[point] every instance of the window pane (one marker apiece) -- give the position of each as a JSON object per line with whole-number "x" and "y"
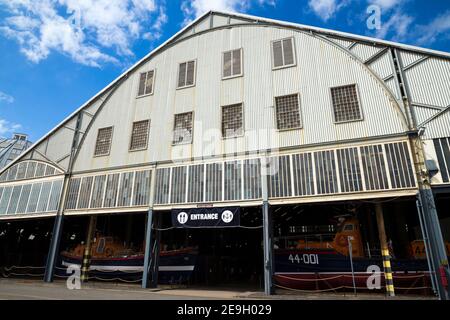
{"x": 126, "y": 187}
{"x": 277, "y": 54}
{"x": 190, "y": 73}
{"x": 142, "y": 188}
{"x": 72, "y": 194}
{"x": 103, "y": 144}
{"x": 237, "y": 62}
{"x": 279, "y": 178}
{"x": 233, "y": 180}
{"x": 149, "y": 82}
{"x": 182, "y": 75}
{"x": 178, "y": 193}
{"x": 288, "y": 52}
{"x": 97, "y": 192}
{"x": 288, "y": 112}
{"x": 349, "y": 169}
{"x": 142, "y": 84}
{"x": 139, "y": 135}
{"x": 252, "y": 179}
{"x": 162, "y": 186}
{"x": 196, "y": 182}
{"x": 345, "y": 103}
{"x": 326, "y": 178}
{"x": 227, "y": 64}
{"x": 85, "y": 193}
{"x": 23, "y": 201}
{"x": 112, "y": 184}
{"x": 374, "y": 167}
{"x": 214, "y": 182}
{"x": 232, "y": 120}
{"x": 303, "y": 174}
{"x": 182, "y": 132}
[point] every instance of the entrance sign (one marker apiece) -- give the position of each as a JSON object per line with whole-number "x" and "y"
{"x": 206, "y": 218}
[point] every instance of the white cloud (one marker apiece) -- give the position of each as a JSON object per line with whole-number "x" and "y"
{"x": 326, "y": 9}
{"x": 195, "y": 8}
{"x": 397, "y": 27}
{"x": 429, "y": 33}
{"x": 6, "y": 127}
{"x": 386, "y": 4}
{"x": 6, "y": 97}
{"x": 90, "y": 32}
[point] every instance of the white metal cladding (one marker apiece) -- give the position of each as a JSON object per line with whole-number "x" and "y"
{"x": 438, "y": 127}
{"x": 382, "y": 66}
{"x": 442, "y": 147}
{"x": 409, "y": 57}
{"x": 39, "y": 197}
{"x": 311, "y": 78}
{"x": 351, "y": 170}
{"x": 429, "y": 82}
{"x": 364, "y": 51}
{"x": 109, "y": 190}
{"x": 29, "y": 170}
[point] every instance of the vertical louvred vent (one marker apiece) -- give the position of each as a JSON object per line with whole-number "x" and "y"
{"x": 283, "y": 53}
{"x": 103, "y": 144}
{"x": 232, "y": 63}
{"x": 186, "y": 74}
{"x": 139, "y": 135}
{"x": 146, "y": 83}
{"x": 182, "y": 131}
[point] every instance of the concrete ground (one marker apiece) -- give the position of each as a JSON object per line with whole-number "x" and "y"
{"x": 21, "y": 289}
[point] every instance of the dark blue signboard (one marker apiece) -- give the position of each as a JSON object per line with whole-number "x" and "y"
{"x": 206, "y": 218}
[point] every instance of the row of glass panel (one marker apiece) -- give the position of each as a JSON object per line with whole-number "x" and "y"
{"x": 28, "y": 170}
{"x": 39, "y": 197}
{"x": 112, "y": 190}
{"x": 357, "y": 169}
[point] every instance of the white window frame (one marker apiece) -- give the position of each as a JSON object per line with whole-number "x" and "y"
{"x": 294, "y": 52}
{"x": 358, "y": 96}
{"x": 110, "y": 145}
{"x": 148, "y": 136}
{"x": 195, "y": 74}
{"x": 192, "y": 131}
{"x": 243, "y": 122}
{"x": 299, "y": 112}
{"x": 145, "y": 85}
{"x": 242, "y": 64}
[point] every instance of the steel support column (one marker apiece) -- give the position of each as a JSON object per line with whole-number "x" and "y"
{"x": 54, "y": 248}
{"x": 154, "y": 266}
{"x": 267, "y": 234}
{"x": 149, "y": 252}
{"x": 432, "y": 228}
{"x": 385, "y": 251}
{"x": 56, "y": 234}
{"x": 86, "y": 262}
{"x": 148, "y": 248}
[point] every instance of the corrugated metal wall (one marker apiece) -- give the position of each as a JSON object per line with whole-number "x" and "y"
{"x": 320, "y": 66}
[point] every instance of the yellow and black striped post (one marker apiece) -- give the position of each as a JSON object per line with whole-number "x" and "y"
{"x": 385, "y": 251}
{"x": 87, "y": 249}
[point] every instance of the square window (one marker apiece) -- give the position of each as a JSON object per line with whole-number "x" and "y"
{"x": 103, "y": 143}
{"x": 182, "y": 131}
{"x": 232, "y": 63}
{"x": 186, "y": 74}
{"x": 345, "y": 103}
{"x": 288, "y": 112}
{"x": 283, "y": 53}
{"x": 139, "y": 135}
{"x": 232, "y": 121}
{"x": 146, "y": 83}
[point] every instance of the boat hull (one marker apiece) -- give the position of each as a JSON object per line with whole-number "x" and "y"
{"x": 328, "y": 270}
{"x": 174, "y": 267}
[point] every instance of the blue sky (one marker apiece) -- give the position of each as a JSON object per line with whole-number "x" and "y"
{"x": 56, "y": 54}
